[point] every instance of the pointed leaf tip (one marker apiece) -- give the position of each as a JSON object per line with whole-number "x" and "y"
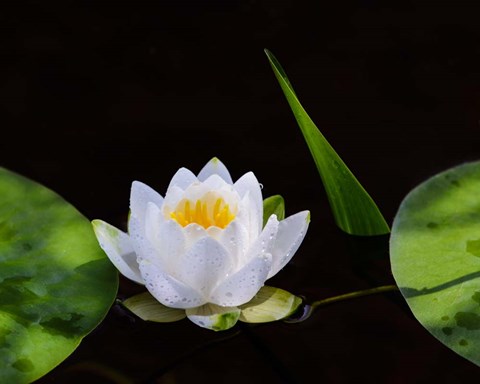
{"x": 353, "y": 209}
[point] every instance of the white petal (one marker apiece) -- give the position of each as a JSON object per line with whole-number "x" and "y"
{"x": 240, "y": 287}
{"x": 235, "y": 240}
{"x": 204, "y": 265}
{"x": 166, "y": 237}
{"x": 215, "y": 167}
{"x": 118, "y": 247}
{"x": 263, "y": 244}
{"x": 136, "y": 231}
{"x": 172, "y": 198}
{"x": 196, "y": 191}
{"x": 250, "y": 217}
{"x": 140, "y": 195}
{"x": 182, "y": 179}
{"x": 291, "y": 232}
{"x": 153, "y": 221}
{"x": 215, "y": 182}
{"x": 194, "y": 232}
{"x": 168, "y": 290}
{"x": 248, "y": 185}
{"x": 143, "y": 247}
{"x": 214, "y": 232}
{"x": 214, "y": 317}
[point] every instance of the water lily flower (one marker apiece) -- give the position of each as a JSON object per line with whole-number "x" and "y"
{"x": 203, "y": 251}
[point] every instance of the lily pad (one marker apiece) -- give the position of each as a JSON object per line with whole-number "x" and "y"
{"x": 435, "y": 257}
{"x": 56, "y": 284}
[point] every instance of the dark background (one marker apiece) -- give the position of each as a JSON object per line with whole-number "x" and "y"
{"x": 93, "y": 96}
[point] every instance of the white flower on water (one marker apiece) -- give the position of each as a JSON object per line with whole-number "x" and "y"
{"x": 202, "y": 250}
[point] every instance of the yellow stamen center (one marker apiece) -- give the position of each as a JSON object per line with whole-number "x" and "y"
{"x": 205, "y": 212}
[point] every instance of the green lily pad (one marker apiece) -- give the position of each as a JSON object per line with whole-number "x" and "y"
{"x": 56, "y": 284}
{"x": 354, "y": 210}
{"x": 435, "y": 257}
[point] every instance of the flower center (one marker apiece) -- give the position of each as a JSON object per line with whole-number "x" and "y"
{"x": 206, "y": 212}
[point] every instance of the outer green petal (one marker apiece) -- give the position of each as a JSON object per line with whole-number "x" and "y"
{"x": 214, "y": 317}
{"x": 273, "y": 205}
{"x": 269, "y": 304}
{"x": 145, "y": 306}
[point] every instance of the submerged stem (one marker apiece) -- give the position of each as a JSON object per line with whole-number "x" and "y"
{"x": 309, "y": 308}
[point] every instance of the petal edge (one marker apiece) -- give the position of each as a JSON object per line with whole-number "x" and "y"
{"x": 118, "y": 247}
{"x": 290, "y": 235}
{"x": 215, "y": 167}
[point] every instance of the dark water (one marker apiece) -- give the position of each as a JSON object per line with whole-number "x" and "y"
{"x": 94, "y": 97}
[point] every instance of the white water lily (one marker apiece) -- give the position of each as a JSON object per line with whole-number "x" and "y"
{"x": 202, "y": 249}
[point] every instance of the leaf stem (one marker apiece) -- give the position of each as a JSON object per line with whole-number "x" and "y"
{"x": 353, "y": 295}
{"x": 309, "y": 308}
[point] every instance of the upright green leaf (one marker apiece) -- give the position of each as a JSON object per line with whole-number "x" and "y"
{"x": 56, "y": 284}
{"x": 353, "y": 209}
{"x": 435, "y": 257}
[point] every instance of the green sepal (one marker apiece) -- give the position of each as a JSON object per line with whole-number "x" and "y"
{"x": 273, "y": 205}
{"x": 269, "y": 304}
{"x": 146, "y": 307}
{"x": 214, "y": 317}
